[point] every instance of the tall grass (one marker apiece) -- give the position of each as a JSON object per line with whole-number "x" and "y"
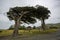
{"x": 26, "y": 32}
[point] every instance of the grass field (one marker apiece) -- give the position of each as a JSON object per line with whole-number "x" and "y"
{"x": 26, "y": 32}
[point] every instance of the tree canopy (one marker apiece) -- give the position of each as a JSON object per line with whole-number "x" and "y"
{"x": 16, "y": 12}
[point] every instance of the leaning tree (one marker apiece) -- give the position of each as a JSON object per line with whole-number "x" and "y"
{"x": 20, "y": 14}
{"x": 42, "y": 13}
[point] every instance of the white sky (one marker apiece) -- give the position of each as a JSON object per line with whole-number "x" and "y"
{"x": 53, "y": 6}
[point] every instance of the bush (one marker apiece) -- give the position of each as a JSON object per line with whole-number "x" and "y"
{"x": 22, "y": 28}
{"x": 29, "y": 28}
{"x": 34, "y": 27}
{"x": 53, "y": 27}
{"x": 11, "y": 27}
{"x": 0, "y": 31}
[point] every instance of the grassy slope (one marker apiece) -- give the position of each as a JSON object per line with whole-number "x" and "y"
{"x": 26, "y": 32}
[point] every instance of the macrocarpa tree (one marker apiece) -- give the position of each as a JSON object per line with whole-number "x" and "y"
{"x": 19, "y": 15}
{"x": 42, "y": 13}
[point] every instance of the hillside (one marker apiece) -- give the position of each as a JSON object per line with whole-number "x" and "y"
{"x": 53, "y": 25}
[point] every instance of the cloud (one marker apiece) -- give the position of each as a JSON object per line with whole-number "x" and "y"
{"x": 4, "y": 22}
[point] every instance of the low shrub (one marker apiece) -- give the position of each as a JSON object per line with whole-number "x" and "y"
{"x": 53, "y": 27}
{"x": 0, "y": 31}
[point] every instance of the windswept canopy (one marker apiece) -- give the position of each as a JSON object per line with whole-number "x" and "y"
{"x": 16, "y": 12}
{"x": 42, "y": 12}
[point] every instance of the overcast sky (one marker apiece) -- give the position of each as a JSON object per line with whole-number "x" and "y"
{"x": 53, "y": 6}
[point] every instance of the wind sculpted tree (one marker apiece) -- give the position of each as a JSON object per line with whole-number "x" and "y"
{"x": 42, "y": 13}
{"x": 20, "y": 14}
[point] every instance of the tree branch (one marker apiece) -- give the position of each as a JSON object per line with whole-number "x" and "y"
{"x": 23, "y": 14}
{"x": 12, "y": 16}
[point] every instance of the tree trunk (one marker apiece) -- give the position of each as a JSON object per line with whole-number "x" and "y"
{"x": 17, "y": 24}
{"x": 43, "y": 24}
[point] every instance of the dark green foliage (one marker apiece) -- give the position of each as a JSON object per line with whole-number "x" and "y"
{"x": 11, "y": 27}
{"x": 39, "y": 12}
{"x": 53, "y": 27}
{"x": 16, "y": 12}
{"x": 29, "y": 28}
{"x": 34, "y": 27}
{"x": 22, "y": 28}
{"x": 0, "y": 31}
{"x": 42, "y": 12}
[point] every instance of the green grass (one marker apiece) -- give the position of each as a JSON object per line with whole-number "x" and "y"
{"x": 6, "y": 32}
{"x": 26, "y": 32}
